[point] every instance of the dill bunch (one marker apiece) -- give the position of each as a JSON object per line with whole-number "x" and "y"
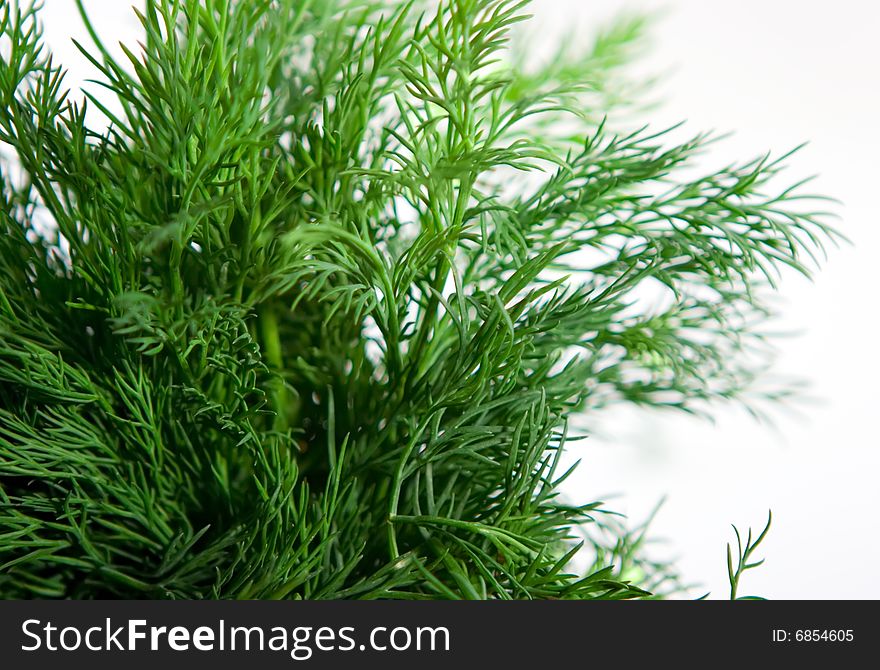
{"x": 309, "y": 317}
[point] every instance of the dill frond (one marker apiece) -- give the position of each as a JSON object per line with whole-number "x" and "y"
{"x": 310, "y": 317}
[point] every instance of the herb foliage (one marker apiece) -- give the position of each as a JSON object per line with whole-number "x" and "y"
{"x": 310, "y": 316}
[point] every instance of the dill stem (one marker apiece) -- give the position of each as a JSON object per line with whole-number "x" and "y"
{"x": 271, "y": 338}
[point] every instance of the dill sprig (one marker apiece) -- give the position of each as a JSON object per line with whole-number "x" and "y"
{"x": 310, "y": 316}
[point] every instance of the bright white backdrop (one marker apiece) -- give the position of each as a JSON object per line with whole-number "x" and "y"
{"x": 777, "y": 73}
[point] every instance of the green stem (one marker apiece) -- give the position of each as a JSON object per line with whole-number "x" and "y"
{"x": 272, "y": 349}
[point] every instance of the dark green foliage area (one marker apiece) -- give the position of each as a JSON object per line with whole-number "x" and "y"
{"x": 309, "y": 317}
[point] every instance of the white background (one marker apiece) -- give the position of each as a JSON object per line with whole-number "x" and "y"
{"x": 778, "y": 72}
